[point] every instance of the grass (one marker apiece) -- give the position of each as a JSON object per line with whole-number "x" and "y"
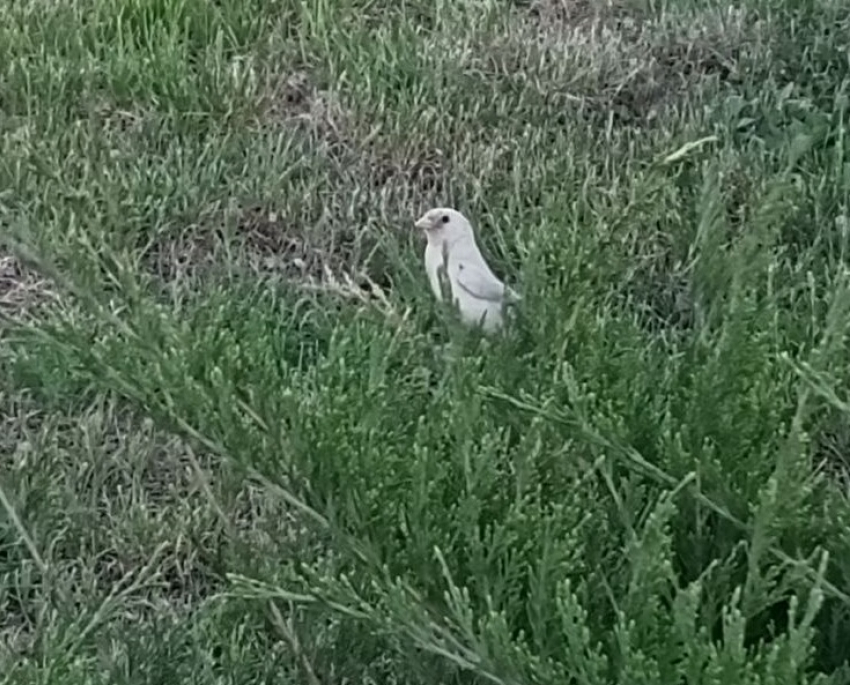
{"x": 240, "y": 443}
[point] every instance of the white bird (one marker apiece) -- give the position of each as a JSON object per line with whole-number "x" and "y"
{"x": 454, "y": 262}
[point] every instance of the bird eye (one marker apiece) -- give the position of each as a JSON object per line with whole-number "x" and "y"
{"x": 445, "y": 218}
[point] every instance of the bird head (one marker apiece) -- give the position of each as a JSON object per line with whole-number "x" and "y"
{"x": 444, "y": 225}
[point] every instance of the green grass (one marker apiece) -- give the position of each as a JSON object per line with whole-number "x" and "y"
{"x": 240, "y": 443}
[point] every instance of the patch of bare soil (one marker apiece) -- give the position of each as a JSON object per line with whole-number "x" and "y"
{"x": 117, "y": 121}
{"x": 339, "y": 262}
{"x": 669, "y": 71}
{"x": 575, "y": 13}
{"x": 273, "y": 244}
{"x": 342, "y": 262}
{"x": 296, "y": 101}
{"x": 22, "y": 290}
{"x": 637, "y": 66}
{"x": 423, "y": 172}
{"x": 173, "y": 258}
{"x": 832, "y": 452}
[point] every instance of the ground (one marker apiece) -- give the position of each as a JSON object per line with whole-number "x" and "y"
{"x": 241, "y": 443}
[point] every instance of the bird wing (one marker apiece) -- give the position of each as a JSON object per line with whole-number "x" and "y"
{"x": 480, "y": 282}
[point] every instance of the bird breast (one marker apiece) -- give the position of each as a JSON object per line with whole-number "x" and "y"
{"x": 473, "y": 311}
{"x": 433, "y": 263}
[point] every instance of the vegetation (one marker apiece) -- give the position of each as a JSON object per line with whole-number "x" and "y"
{"x": 240, "y": 442}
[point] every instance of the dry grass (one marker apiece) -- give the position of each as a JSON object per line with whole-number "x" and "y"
{"x": 22, "y": 290}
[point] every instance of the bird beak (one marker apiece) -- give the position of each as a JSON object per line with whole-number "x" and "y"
{"x": 424, "y": 223}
